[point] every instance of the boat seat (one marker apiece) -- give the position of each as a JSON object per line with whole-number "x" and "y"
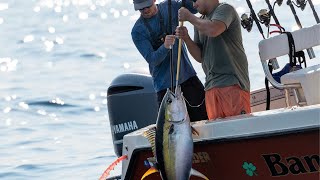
{"x": 309, "y": 78}
{"x": 305, "y": 83}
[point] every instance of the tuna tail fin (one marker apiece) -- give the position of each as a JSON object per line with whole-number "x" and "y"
{"x": 150, "y": 171}
{"x": 150, "y": 134}
{"x": 194, "y": 172}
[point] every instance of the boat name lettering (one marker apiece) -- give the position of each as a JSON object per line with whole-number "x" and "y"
{"x": 293, "y": 165}
{"x": 124, "y": 127}
{"x": 200, "y": 157}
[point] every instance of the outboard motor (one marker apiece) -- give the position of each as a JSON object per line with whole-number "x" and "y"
{"x": 132, "y": 104}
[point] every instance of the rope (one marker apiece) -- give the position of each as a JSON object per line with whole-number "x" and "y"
{"x": 194, "y": 106}
{"x": 106, "y": 173}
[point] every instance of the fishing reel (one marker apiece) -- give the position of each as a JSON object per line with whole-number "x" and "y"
{"x": 246, "y": 22}
{"x": 264, "y": 17}
{"x": 279, "y": 2}
{"x": 301, "y": 4}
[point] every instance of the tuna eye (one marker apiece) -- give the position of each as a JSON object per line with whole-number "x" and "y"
{"x": 169, "y": 101}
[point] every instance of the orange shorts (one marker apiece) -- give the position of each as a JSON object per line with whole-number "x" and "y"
{"x": 227, "y": 101}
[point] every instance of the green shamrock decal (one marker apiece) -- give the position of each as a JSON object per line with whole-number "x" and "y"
{"x": 250, "y": 169}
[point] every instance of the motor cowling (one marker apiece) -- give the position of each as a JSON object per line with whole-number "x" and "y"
{"x": 132, "y": 104}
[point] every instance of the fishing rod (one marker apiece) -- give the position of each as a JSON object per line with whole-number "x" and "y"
{"x": 183, "y": 4}
{"x": 271, "y": 11}
{"x": 265, "y": 18}
{"x": 289, "y": 3}
{"x": 302, "y": 4}
{"x": 310, "y": 51}
{"x": 314, "y": 11}
{"x": 171, "y": 51}
{"x": 247, "y": 22}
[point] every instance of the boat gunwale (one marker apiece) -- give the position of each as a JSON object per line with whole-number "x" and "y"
{"x": 223, "y": 140}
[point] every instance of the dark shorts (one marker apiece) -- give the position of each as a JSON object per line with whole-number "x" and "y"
{"x": 193, "y": 91}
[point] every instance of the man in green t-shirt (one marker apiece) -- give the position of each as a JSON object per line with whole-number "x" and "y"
{"x": 217, "y": 45}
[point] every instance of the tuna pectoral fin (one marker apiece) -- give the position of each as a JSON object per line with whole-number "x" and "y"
{"x": 197, "y": 173}
{"x": 194, "y": 131}
{"x": 150, "y": 171}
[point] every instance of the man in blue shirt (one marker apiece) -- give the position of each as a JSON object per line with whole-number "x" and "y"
{"x": 152, "y": 38}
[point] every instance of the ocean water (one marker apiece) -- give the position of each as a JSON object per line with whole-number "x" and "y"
{"x": 57, "y": 59}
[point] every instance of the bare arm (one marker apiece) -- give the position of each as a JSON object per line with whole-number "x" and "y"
{"x": 193, "y": 48}
{"x": 211, "y": 28}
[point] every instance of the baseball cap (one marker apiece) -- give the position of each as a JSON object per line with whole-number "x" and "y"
{"x": 140, "y": 4}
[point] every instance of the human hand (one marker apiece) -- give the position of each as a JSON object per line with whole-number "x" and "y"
{"x": 184, "y": 14}
{"x": 182, "y": 32}
{"x": 169, "y": 41}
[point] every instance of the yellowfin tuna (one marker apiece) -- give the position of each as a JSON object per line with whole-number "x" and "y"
{"x": 171, "y": 140}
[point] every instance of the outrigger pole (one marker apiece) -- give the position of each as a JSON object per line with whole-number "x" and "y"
{"x": 171, "y": 52}
{"x": 179, "y": 49}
